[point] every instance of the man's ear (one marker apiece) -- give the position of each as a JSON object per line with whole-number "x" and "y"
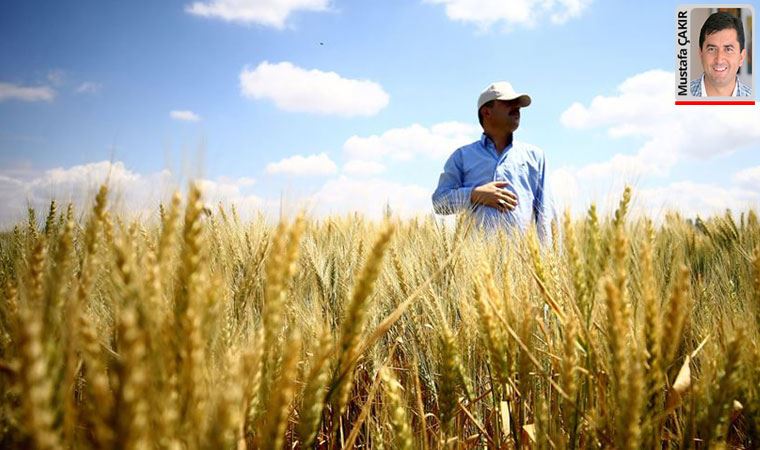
{"x": 742, "y": 56}
{"x": 486, "y": 112}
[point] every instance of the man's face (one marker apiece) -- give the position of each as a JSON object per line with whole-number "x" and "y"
{"x": 505, "y": 115}
{"x": 721, "y": 57}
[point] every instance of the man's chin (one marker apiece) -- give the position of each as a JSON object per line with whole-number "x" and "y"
{"x": 720, "y": 80}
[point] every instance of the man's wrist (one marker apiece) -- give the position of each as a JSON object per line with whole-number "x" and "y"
{"x": 473, "y": 195}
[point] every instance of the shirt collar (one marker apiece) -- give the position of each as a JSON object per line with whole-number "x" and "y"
{"x": 704, "y": 91}
{"x": 485, "y": 141}
{"x": 488, "y": 144}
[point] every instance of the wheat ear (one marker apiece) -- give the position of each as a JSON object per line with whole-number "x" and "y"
{"x": 353, "y": 322}
{"x": 402, "y": 432}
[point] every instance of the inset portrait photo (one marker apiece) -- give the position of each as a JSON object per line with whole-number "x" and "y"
{"x": 714, "y": 54}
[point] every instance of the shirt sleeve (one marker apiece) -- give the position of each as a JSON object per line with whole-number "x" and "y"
{"x": 451, "y": 196}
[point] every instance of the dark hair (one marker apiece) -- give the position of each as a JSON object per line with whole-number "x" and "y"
{"x": 720, "y": 21}
{"x": 488, "y": 105}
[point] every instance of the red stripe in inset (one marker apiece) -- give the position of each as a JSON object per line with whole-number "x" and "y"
{"x": 715, "y": 102}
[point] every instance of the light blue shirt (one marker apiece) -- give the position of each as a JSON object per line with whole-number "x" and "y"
{"x": 521, "y": 165}
{"x": 697, "y": 88}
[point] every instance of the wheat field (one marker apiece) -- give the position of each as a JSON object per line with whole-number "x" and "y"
{"x": 201, "y": 331}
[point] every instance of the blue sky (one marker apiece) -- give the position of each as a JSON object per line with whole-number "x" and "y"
{"x": 345, "y": 105}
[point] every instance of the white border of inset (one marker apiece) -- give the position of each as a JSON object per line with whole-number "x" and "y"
{"x": 683, "y": 57}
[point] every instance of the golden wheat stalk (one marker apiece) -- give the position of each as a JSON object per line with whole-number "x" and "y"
{"x": 353, "y": 322}
{"x": 675, "y": 317}
{"x": 36, "y": 388}
{"x": 314, "y": 393}
{"x": 132, "y": 430}
{"x": 272, "y": 433}
{"x": 402, "y": 432}
{"x": 493, "y": 337}
{"x": 280, "y": 267}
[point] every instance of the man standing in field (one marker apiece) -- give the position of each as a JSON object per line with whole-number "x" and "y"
{"x": 722, "y": 52}
{"x": 500, "y": 180}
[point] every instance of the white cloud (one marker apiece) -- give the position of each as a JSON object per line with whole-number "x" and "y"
{"x": 486, "y": 13}
{"x": 693, "y": 199}
{"x": 644, "y": 108}
{"x": 749, "y": 177}
{"x": 689, "y": 198}
{"x": 402, "y": 144}
{"x": 88, "y": 87}
{"x": 362, "y": 167}
{"x": 9, "y": 91}
{"x": 242, "y": 181}
{"x": 137, "y": 195}
{"x": 370, "y": 197}
{"x": 294, "y": 89}
{"x": 78, "y": 184}
{"x": 569, "y": 9}
{"x": 130, "y": 193}
{"x": 360, "y": 188}
{"x": 642, "y": 101}
{"x": 564, "y": 188}
{"x": 187, "y": 116}
{"x": 272, "y": 13}
{"x": 320, "y": 164}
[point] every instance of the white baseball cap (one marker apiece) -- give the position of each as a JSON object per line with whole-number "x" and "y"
{"x": 502, "y": 90}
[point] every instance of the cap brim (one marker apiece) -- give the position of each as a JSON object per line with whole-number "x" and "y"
{"x": 524, "y": 99}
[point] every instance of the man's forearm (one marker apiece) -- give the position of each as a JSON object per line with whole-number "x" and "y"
{"x": 452, "y": 201}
